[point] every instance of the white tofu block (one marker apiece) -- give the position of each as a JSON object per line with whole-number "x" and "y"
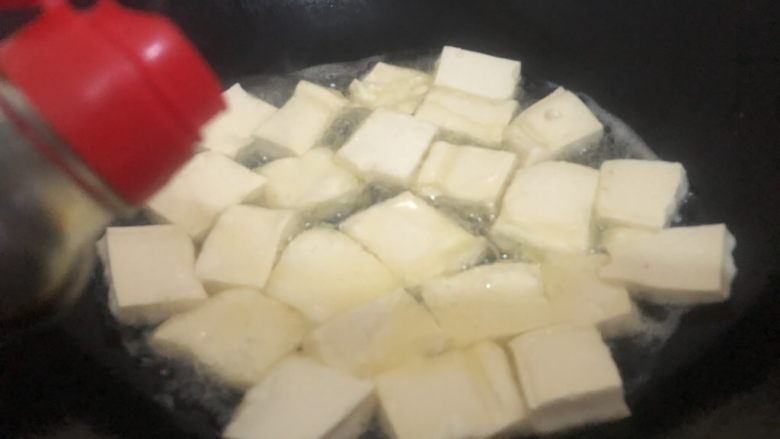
{"x": 323, "y": 272}
{"x": 556, "y": 125}
{"x": 377, "y": 336}
{"x": 236, "y": 335}
{"x": 232, "y": 129}
{"x": 504, "y": 403}
{"x": 300, "y": 399}
{"x": 392, "y": 87}
{"x": 312, "y": 183}
{"x": 413, "y": 239}
{"x": 477, "y": 73}
{"x": 640, "y": 193}
{"x": 480, "y": 119}
{"x": 465, "y": 175}
{"x": 681, "y": 265}
{"x": 150, "y": 271}
{"x": 207, "y": 185}
{"x": 243, "y": 246}
{"x": 578, "y": 295}
{"x": 301, "y": 122}
{"x": 388, "y": 147}
{"x": 488, "y": 302}
{"x": 568, "y": 378}
{"x": 460, "y": 394}
{"x": 433, "y": 399}
{"x": 547, "y": 207}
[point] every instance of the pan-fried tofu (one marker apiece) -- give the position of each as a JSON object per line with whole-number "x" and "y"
{"x": 312, "y": 183}
{"x": 232, "y": 129}
{"x": 377, "y": 336}
{"x": 555, "y": 126}
{"x": 242, "y": 248}
{"x": 207, "y": 185}
{"x": 640, "y": 193}
{"x": 392, "y": 87}
{"x": 465, "y": 175}
{"x": 150, "y": 271}
{"x": 578, "y": 295}
{"x": 506, "y": 407}
{"x": 459, "y": 394}
{"x": 236, "y": 335}
{"x": 568, "y": 377}
{"x": 681, "y": 265}
{"x": 477, "y": 118}
{"x": 477, "y": 73}
{"x": 388, "y": 147}
{"x": 413, "y": 239}
{"x": 303, "y": 399}
{"x": 323, "y": 272}
{"x": 488, "y": 302}
{"x": 547, "y": 207}
{"x": 301, "y": 122}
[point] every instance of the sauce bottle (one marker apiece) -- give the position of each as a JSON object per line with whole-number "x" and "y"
{"x": 98, "y": 108}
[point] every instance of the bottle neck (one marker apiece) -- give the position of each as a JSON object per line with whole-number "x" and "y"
{"x": 37, "y": 134}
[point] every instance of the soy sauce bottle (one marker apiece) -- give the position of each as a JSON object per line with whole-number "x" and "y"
{"x": 98, "y": 108}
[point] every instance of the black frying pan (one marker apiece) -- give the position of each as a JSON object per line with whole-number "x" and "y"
{"x": 697, "y": 81}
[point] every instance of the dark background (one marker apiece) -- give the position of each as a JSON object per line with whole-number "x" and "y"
{"x": 698, "y": 80}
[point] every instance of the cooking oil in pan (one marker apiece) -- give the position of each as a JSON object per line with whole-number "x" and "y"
{"x": 189, "y": 390}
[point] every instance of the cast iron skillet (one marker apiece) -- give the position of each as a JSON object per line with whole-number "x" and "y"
{"x": 688, "y": 79}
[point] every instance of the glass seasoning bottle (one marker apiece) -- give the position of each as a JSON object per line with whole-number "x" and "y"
{"x": 98, "y": 108}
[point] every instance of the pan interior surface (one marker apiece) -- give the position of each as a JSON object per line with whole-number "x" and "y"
{"x": 189, "y": 393}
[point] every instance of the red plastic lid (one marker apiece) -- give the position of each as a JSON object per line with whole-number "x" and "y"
{"x": 123, "y": 88}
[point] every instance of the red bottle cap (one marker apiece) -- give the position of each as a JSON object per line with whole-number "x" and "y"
{"x": 124, "y": 89}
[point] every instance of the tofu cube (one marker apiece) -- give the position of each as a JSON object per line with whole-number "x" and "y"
{"x": 413, "y": 239}
{"x": 547, "y": 208}
{"x": 312, "y": 183}
{"x": 488, "y": 302}
{"x": 150, "y": 271}
{"x": 207, "y": 185}
{"x": 556, "y": 125}
{"x": 477, "y": 73}
{"x": 232, "y": 129}
{"x": 459, "y": 394}
{"x": 578, "y": 295}
{"x": 680, "y": 266}
{"x": 323, "y": 272}
{"x": 388, "y": 147}
{"x": 392, "y": 87}
{"x": 465, "y": 175}
{"x": 376, "y": 336}
{"x": 568, "y": 378}
{"x": 503, "y": 400}
{"x": 301, "y": 398}
{"x": 482, "y": 120}
{"x": 301, "y": 122}
{"x": 640, "y": 193}
{"x": 236, "y": 335}
{"x": 243, "y": 246}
